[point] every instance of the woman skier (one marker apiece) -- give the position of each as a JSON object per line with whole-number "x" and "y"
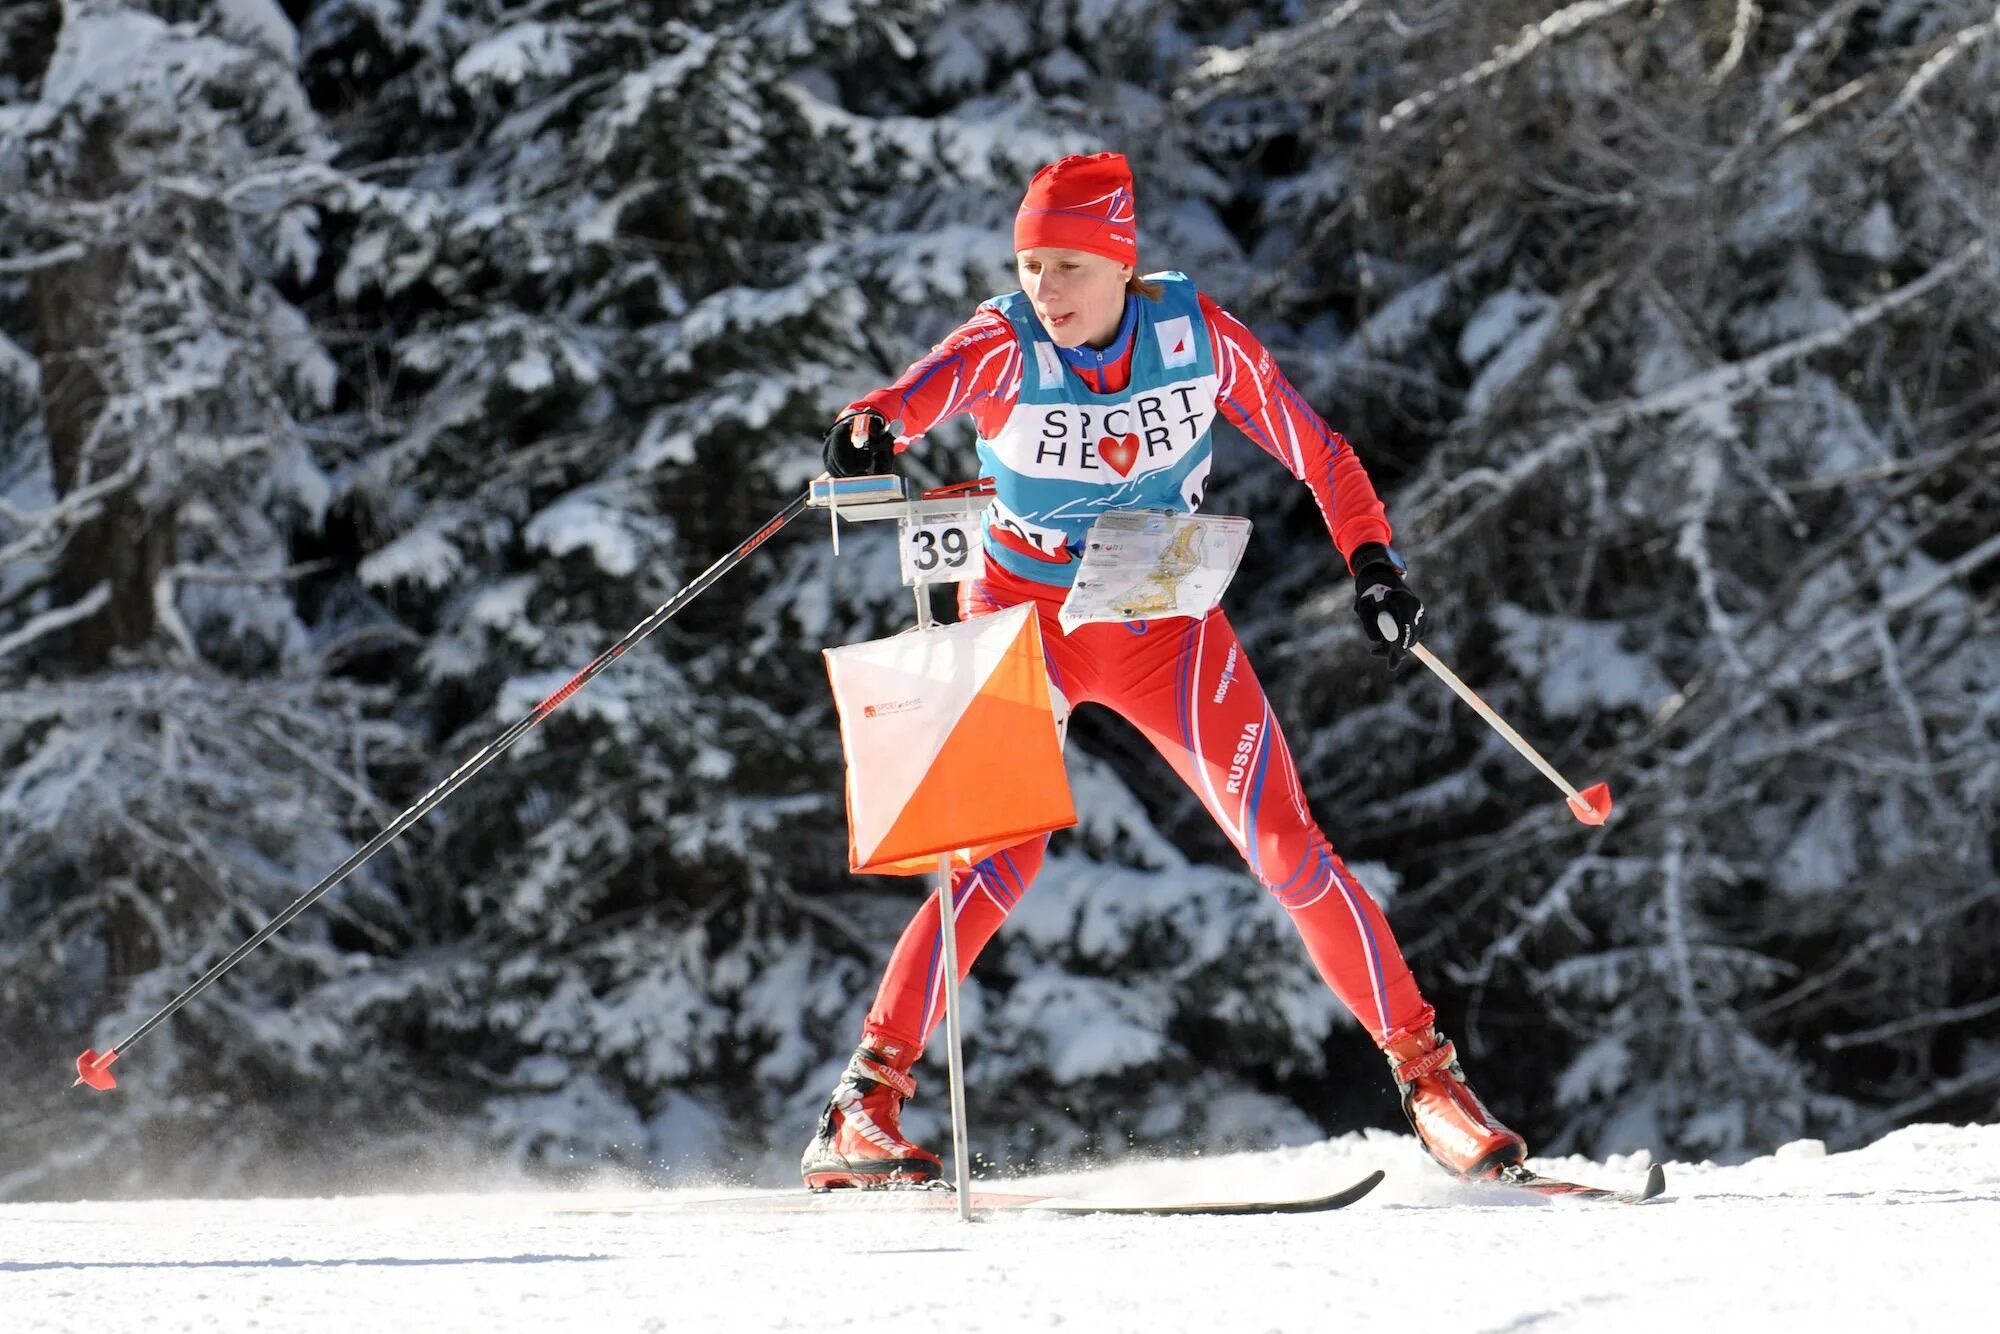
{"x": 1092, "y": 390}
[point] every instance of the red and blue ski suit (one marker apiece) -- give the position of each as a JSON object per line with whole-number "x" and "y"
{"x": 1185, "y": 683}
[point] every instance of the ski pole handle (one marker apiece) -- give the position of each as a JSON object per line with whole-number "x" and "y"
{"x": 1592, "y": 805}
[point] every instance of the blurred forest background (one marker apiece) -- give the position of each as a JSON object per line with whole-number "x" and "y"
{"x": 368, "y": 366}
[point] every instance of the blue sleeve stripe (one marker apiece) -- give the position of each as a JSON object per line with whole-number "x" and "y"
{"x": 936, "y": 366}
{"x": 1332, "y": 439}
{"x": 1248, "y": 422}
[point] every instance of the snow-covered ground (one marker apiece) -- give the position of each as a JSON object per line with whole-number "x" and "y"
{"x": 1898, "y": 1236}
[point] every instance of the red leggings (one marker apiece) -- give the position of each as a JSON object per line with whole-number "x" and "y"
{"x": 1188, "y": 686}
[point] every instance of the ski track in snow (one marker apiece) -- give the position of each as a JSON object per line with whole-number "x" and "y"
{"x": 1896, "y": 1236}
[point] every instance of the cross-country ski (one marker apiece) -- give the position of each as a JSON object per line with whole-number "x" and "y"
{"x": 862, "y": 1203}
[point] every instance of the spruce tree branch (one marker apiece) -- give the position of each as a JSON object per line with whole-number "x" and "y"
{"x": 1916, "y": 1023}
{"x": 1673, "y": 901}
{"x": 1712, "y": 388}
{"x": 1234, "y": 68}
{"x": 1921, "y": 465}
{"x": 1912, "y": 594}
{"x": 1941, "y": 54}
{"x": 167, "y": 615}
{"x": 1786, "y": 659}
{"x": 1898, "y": 687}
{"x": 79, "y": 506}
{"x": 1903, "y": 930}
{"x": 331, "y": 651}
{"x": 1595, "y": 527}
{"x": 1705, "y": 468}
{"x": 48, "y": 935}
{"x": 1747, "y": 14}
{"x": 145, "y": 908}
{"x": 1950, "y": 50}
{"x": 1530, "y": 833}
{"x": 1554, "y": 903}
{"x": 1563, "y": 23}
{"x": 53, "y": 620}
{"x": 1800, "y": 121}
{"x": 207, "y": 574}
{"x": 1767, "y": 486}
{"x": 67, "y": 253}
{"x": 1808, "y": 38}
{"x": 1977, "y": 214}
{"x": 838, "y": 923}
{"x": 312, "y": 760}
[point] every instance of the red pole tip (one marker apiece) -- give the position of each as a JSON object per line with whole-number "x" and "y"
{"x": 1592, "y": 805}
{"x": 95, "y": 1070}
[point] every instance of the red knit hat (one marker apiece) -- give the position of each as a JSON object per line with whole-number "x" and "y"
{"x": 1081, "y": 203}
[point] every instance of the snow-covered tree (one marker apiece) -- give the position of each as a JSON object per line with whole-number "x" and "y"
{"x": 1674, "y": 314}
{"x": 368, "y": 366}
{"x": 177, "y": 754}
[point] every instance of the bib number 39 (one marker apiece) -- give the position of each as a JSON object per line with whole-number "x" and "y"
{"x": 942, "y": 550}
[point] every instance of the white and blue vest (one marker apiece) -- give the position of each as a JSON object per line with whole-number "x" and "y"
{"x": 1067, "y": 454}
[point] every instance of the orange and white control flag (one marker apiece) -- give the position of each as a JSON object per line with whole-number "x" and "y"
{"x": 951, "y": 743}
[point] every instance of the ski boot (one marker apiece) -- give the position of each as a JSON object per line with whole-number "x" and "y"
{"x": 1451, "y": 1123}
{"x": 860, "y": 1140}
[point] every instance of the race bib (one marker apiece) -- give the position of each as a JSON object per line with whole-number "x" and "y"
{"x": 941, "y": 545}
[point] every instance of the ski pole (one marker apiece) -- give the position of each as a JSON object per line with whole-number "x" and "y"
{"x": 94, "y": 1067}
{"x": 1592, "y": 805}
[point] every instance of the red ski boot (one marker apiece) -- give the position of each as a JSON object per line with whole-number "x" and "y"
{"x": 1450, "y": 1121}
{"x": 860, "y": 1140}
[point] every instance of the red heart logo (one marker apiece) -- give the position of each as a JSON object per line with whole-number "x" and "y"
{"x": 1121, "y": 454}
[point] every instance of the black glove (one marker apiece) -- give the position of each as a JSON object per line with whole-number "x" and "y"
{"x": 1379, "y": 591}
{"x": 871, "y": 455}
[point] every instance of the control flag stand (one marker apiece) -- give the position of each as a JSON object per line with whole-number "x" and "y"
{"x": 928, "y": 716}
